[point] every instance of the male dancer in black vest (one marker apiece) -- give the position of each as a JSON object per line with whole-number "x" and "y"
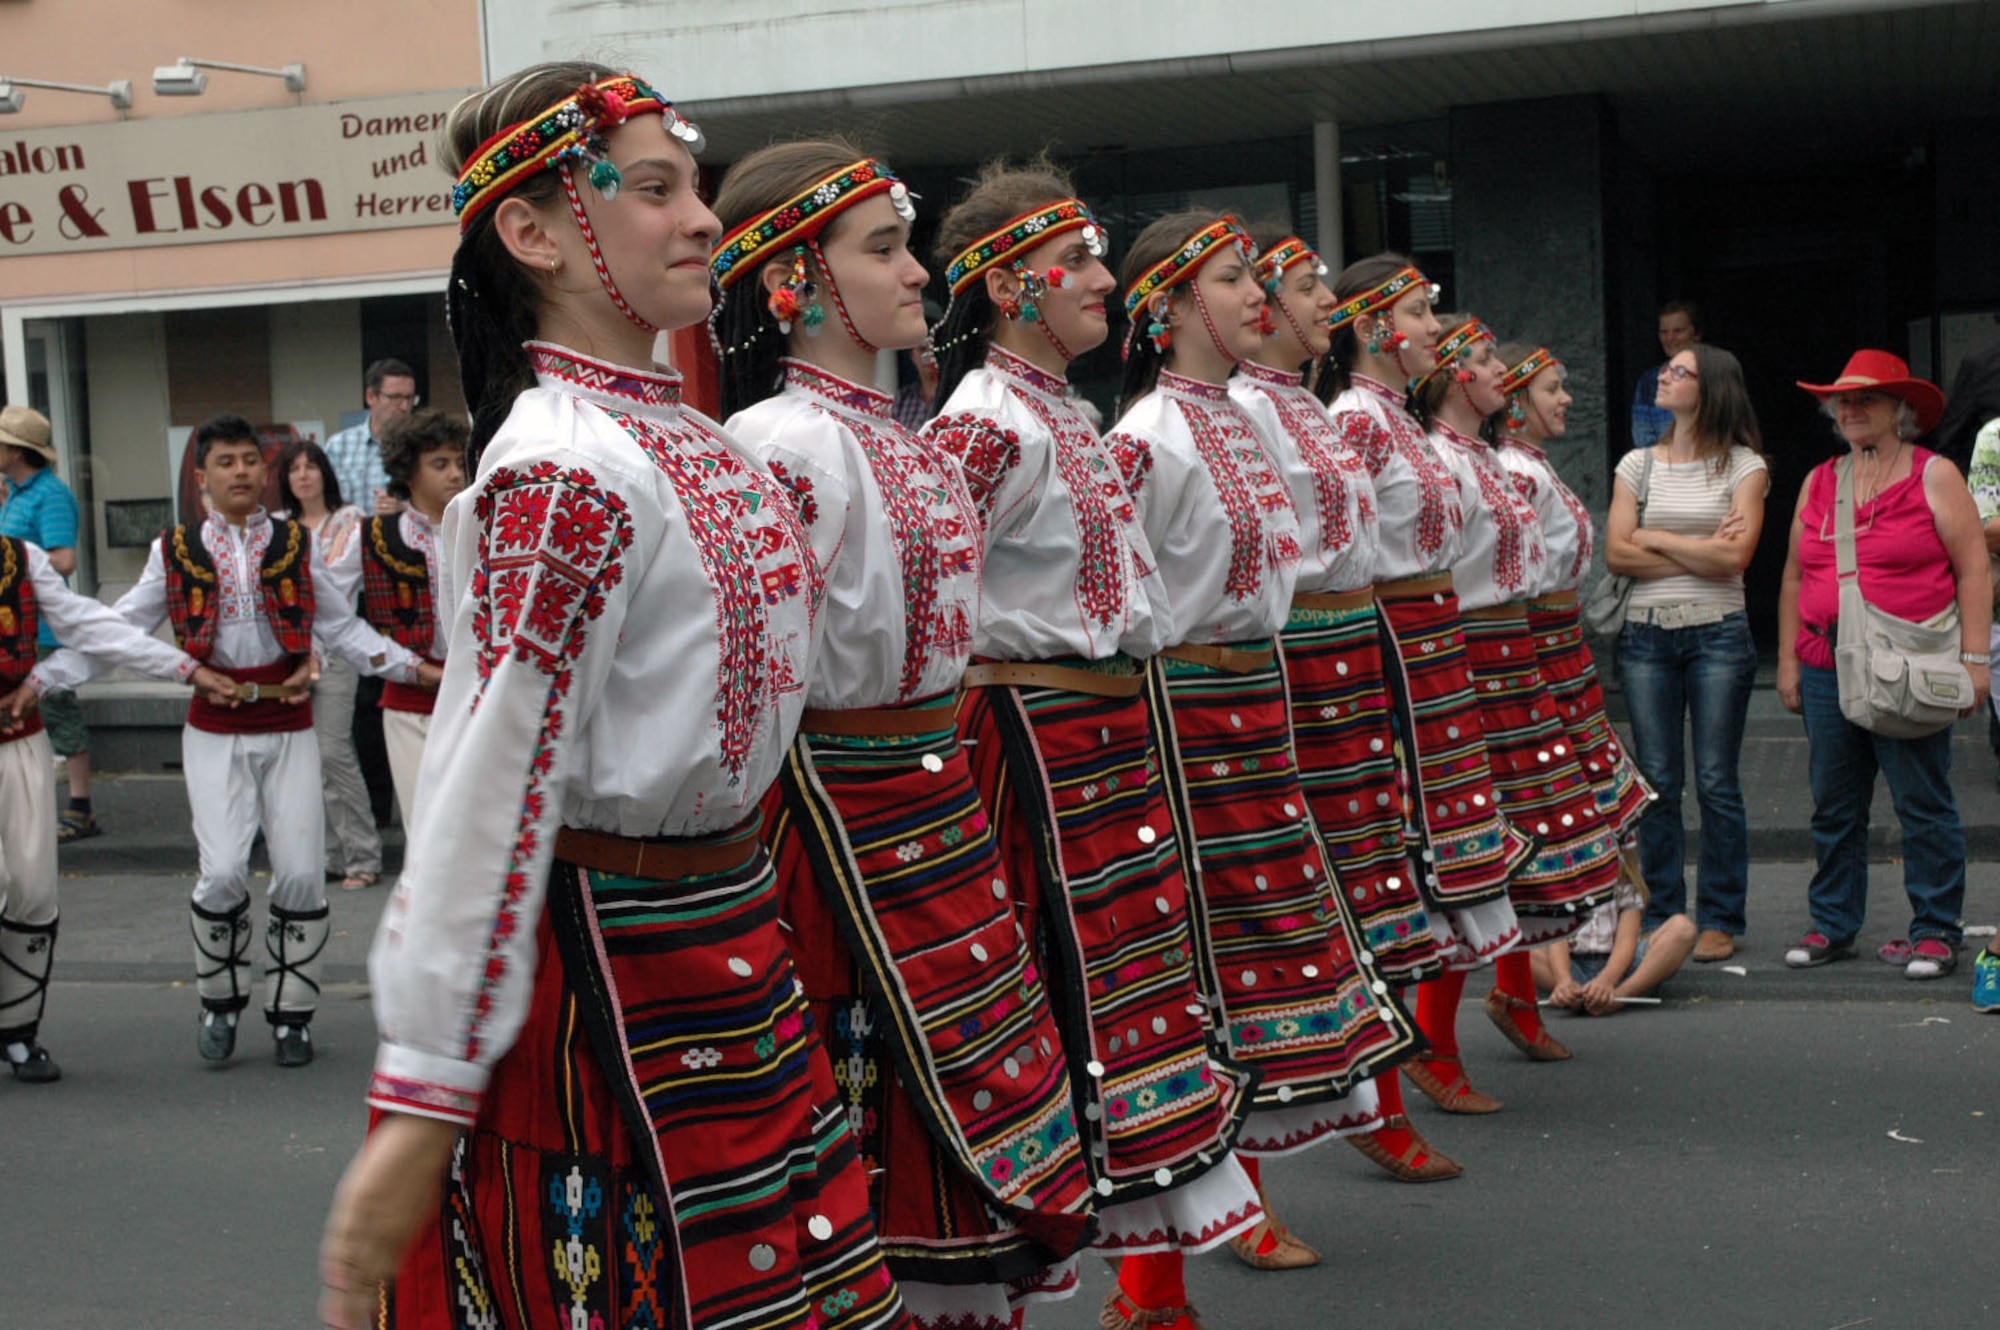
{"x": 32, "y": 591}
{"x": 238, "y": 589}
{"x": 395, "y": 559}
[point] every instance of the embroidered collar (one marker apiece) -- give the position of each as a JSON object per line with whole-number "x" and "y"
{"x": 831, "y": 388}
{"x": 1458, "y": 436}
{"x": 1534, "y": 450}
{"x": 1250, "y": 369}
{"x": 1006, "y": 362}
{"x": 1183, "y": 386}
{"x": 218, "y": 525}
{"x": 615, "y": 387}
{"x": 1382, "y": 390}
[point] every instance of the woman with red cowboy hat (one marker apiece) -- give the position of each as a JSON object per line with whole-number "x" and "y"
{"x": 1919, "y": 549}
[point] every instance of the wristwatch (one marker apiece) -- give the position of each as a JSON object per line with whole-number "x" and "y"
{"x": 1975, "y": 657}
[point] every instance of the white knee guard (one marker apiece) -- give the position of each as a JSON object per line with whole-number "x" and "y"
{"x": 27, "y": 951}
{"x": 222, "y": 956}
{"x": 293, "y": 941}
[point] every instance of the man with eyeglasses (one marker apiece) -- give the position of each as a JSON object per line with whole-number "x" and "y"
{"x": 389, "y": 388}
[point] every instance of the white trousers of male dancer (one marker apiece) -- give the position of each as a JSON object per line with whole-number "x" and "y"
{"x": 403, "y": 735}
{"x": 236, "y": 783}
{"x": 27, "y": 879}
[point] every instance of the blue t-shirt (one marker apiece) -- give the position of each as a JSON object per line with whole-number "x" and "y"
{"x": 1650, "y": 423}
{"x": 41, "y": 512}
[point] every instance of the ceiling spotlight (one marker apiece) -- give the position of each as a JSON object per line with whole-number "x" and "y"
{"x": 184, "y": 78}
{"x": 11, "y": 96}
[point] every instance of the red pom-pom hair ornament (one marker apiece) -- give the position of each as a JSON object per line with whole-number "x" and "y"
{"x": 1462, "y": 375}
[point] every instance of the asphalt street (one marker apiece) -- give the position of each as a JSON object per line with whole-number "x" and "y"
{"x": 1770, "y": 1148}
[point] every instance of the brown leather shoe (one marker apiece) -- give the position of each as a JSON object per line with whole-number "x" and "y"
{"x": 1714, "y": 945}
{"x": 1453, "y": 1096}
{"x": 1288, "y": 1254}
{"x": 1500, "y": 1009}
{"x": 1437, "y": 1166}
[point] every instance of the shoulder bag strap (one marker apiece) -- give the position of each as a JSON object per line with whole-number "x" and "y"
{"x": 1845, "y": 563}
{"x": 1645, "y": 483}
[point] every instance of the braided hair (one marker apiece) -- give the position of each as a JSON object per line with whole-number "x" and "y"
{"x": 492, "y": 302}
{"x": 1002, "y": 192}
{"x": 748, "y": 345}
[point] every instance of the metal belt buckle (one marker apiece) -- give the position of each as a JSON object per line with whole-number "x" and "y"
{"x": 256, "y": 693}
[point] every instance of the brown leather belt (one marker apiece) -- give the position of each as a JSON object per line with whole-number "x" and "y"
{"x": 1513, "y": 609}
{"x": 878, "y": 722}
{"x": 270, "y": 692}
{"x": 1555, "y": 600}
{"x": 1228, "y": 659}
{"x": 661, "y": 859}
{"x": 1409, "y": 587}
{"x": 1035, "y": 674}
{"x": 1334, "y": 600}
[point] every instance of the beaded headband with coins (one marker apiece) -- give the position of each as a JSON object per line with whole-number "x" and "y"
{"x": 798, "y": 222}
{"x": 1273, "y": 264}
{"x": 1380, "y": 298}
{"x": 1177, "y": 267}
{"x": 1005, "y": 243}
{"x": 1454, "y": 346}
{"x": 570, "y": 133}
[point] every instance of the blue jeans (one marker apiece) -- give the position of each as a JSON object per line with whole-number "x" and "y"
{"x": 1699, "y": 676}
{"x": 1845, "y": 758}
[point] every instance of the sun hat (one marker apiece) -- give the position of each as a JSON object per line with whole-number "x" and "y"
{"x": 25, "y": 427}
{"x": 1878, "y": 371}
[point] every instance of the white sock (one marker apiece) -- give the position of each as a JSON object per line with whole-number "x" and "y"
{"x": 17, "y": 1052}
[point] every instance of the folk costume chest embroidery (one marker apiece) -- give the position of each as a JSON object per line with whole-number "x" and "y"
{"x": 1531, "y": 479}
{"x": 1517, "y": 539}
{"x": 1438, "y": 511}
{"x": 1336, "y": 470}
{"x": 929, "y": 510}
{"x": 20, "y": 620}
{"x": 1254, "y": 496}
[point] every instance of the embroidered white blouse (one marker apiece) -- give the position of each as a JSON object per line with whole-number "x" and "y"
{"x": 1217, "y": 511}
{"x": 632, "y": 605}
{"x": 421, "y": 535}
{"x": 1329, "y": 481}
{"x": 1069, "y": 572}
{"x": 1416, "y": 496}
{"x": 1501, "y": 553}
{"x": 243, "y": 637}
{"x": 96, "y": 630}
{"x": 895, "y": 532}
{"x": 1567, "y": 533}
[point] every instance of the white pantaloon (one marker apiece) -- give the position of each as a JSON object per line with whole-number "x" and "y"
{"x": 403, "y": 734}
{"x": 28, "y": 831}
{"x": 238, "y": 782}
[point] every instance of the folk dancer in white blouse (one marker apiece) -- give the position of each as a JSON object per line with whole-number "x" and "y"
{"x": 31, "y": 592}
{"x": 1537, "y": 410}
{"x": 1536, "y": 774}
{"x": 1062, "y": 735}
{"x": 1343, "y": 730}
{"x": 948, "y": 1056}
{"x": 1291, "y": 996}
{"x": 592, "y": 1041}
{"x": 1461, "y": 850}
{"x": 238, "y": 590}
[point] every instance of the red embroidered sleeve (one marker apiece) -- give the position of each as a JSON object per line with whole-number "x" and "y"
{"x": 986, "y": 453}
{"x": 1365, "y": 435}
{"x": 1135, "y": 460}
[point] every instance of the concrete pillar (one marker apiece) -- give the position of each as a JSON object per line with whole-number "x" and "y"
{"x": 1530, "y": 190}
{"x": 1326, "y": 192}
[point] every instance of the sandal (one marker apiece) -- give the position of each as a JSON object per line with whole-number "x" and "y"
{"x": 1500, "y": 1009}
{"x": 1896, "y": 951}
{"x": 1453, "y": 1096}
{"x": 75, "y": 825}
{"x": 359, "y": 881}
{"x": 1121, "y": 1313}
{"x": 1931, "y": 958}
{"x": 1437, "y": 1167}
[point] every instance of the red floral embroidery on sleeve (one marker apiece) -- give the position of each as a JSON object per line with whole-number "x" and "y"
{"x": 1135, "y": 460}
{"x": 1365, "y": 435}
{"x": 986, "y": 453}
{"x": 801, "y": 490}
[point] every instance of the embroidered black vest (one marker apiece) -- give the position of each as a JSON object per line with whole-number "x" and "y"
{"x": 396, "y": 585}
{"x": 19, "y": 618}
{"x": 284, "y": 588}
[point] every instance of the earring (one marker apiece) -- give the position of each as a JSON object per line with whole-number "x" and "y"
{"x": 1517, "y": 412}
{"x": 1024, "y": 304}
{"x": 1160, "y": 332}
{"x": 555, "y": 262}
{"x": 794, "y": 299}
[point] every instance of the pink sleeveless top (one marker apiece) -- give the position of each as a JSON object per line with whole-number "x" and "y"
{"x": 1904, "y": 567}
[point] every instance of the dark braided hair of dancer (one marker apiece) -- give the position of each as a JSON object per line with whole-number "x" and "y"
{"x": 1337, "y": 373}
{"x": 748, "y": 345}
{"x": 492, "y": 302}
{"x": 1143, "y": 361}
{"x": 1002, "y": 192}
